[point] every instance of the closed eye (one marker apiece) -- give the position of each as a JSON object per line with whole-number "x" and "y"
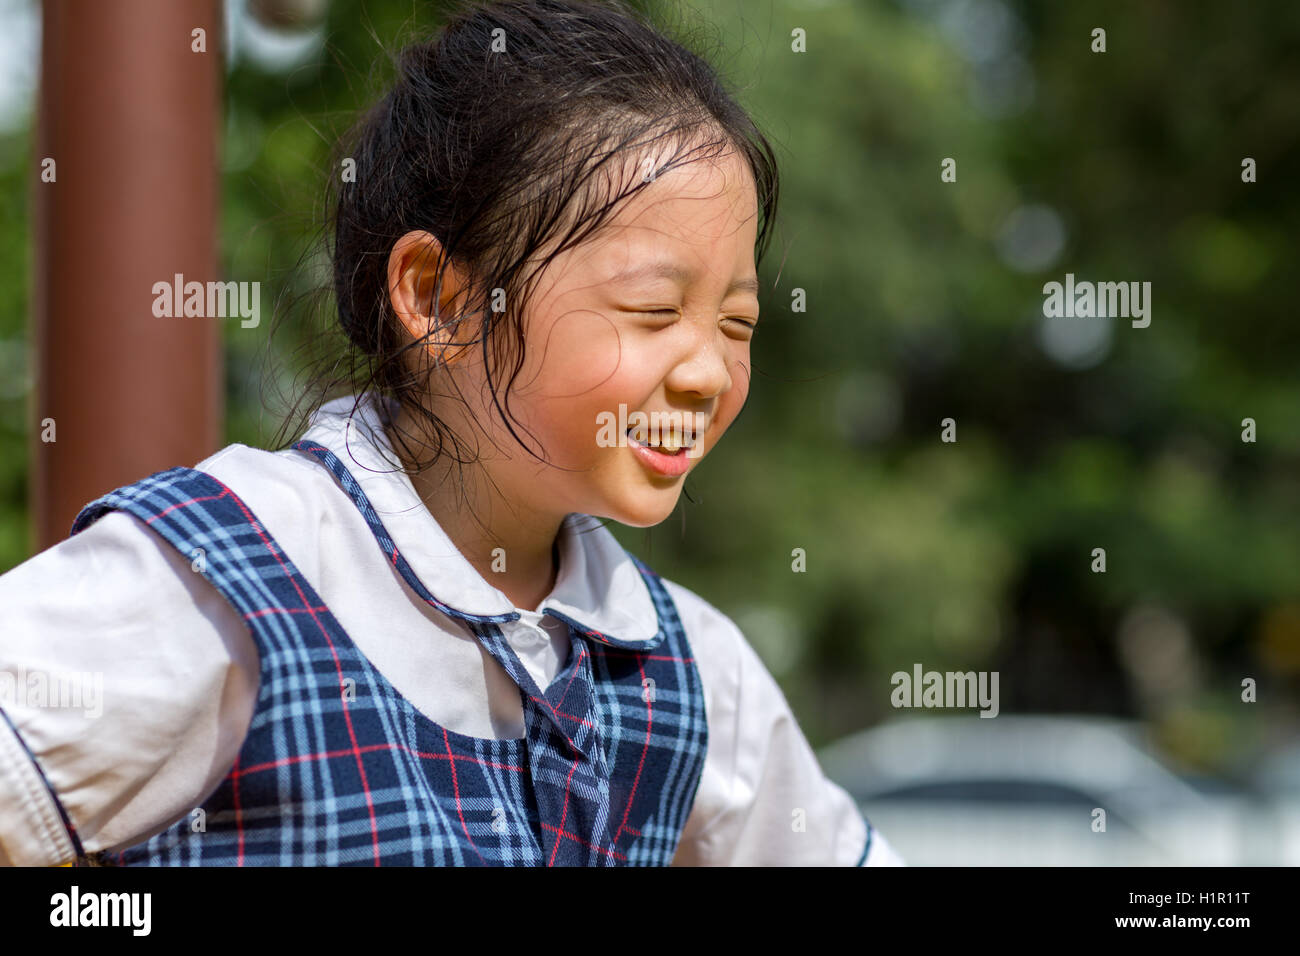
{"x": 730, "y": 318}
{"x": 672, "y": 313}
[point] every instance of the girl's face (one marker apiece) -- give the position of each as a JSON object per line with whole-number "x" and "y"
{"x": 648, "y": 322}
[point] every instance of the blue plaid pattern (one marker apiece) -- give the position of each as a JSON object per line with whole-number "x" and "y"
{"x": 338, "y": 768}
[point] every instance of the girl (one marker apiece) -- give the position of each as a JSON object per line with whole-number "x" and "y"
{"x": 341, "y": 653}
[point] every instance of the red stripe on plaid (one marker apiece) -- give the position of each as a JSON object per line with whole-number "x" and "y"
{"x": 591, "y": 846}
{"x": 649, "y": 720}
{"x": 191, "y": 501}
{"x": 563, "y": 815}
{"x": 330, "y": 754}
{"x": 619, "y": 652}
{"x": 455, "y": 786}
{"x": 567, "y": 738}
{"x": 582, "y": 721}
{"x": 239, "y": 817}
{"x": 285, "y": 610}
{"x": 582, "y": 651}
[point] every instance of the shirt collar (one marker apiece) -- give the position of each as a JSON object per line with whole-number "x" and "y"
{"x": 599, "y": 590}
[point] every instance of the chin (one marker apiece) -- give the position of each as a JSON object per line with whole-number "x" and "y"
{"x": 645, "y": 514}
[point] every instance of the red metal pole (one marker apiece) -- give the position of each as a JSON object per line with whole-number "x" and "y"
{"x": 130, "y": 115}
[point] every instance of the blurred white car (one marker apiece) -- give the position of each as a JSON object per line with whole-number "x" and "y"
{"x": 1278, "y": 779}
{"x": 1023, "y": 790}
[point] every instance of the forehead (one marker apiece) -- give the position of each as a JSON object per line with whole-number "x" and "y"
{"x": 706, "y": 210}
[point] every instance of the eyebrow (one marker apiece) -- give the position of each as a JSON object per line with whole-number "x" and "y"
{"x": 680, "y": 274}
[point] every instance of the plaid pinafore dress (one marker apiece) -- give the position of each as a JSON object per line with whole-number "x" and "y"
{"x": 339, "y": 768}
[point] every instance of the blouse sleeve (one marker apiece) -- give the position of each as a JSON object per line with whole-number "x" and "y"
{"x": 108, "y": 734}
{"x": 763, "y": 799}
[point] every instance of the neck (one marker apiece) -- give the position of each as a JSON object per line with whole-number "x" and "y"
{"x": 479, "y": 520}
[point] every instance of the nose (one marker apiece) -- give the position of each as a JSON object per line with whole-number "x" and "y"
{"x": 701, "y": 368}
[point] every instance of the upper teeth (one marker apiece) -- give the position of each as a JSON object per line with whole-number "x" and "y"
{"x": 670, "y": 443}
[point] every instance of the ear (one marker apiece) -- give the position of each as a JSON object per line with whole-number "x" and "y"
{"x": 412, "y": 278}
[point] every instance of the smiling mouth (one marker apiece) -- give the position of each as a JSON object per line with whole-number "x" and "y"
{"x": 672, "y": 445}
{"x": 670, "y": 456}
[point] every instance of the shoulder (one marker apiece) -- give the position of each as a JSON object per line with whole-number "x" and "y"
{"x": 120, "y": 563}
{"x": 735, "y": 678}
{"x": 284, "y": 481}
{"x": 300, "y": 504}
{"x": 290, "y": 494}
{"x": 283, "y": 490}
{"x": 288, "y": 479}
{"x": 717, "y": 642}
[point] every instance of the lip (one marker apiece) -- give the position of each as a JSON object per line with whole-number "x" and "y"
{"x": 671, "y": 466}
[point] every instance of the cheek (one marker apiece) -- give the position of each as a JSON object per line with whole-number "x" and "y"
{"x": 576, "y": 368}
{"x": 572, "y": 355}
{"x": 733, "y": 400}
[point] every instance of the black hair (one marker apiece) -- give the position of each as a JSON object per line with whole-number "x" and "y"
{"x": 501, "y": 135}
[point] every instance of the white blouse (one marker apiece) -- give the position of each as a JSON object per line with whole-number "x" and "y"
{"x": 159, "y": 673}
